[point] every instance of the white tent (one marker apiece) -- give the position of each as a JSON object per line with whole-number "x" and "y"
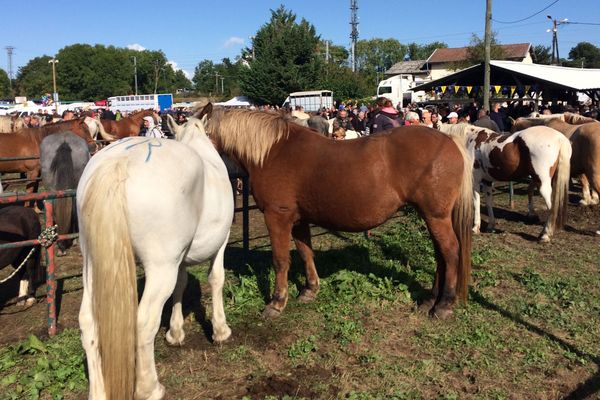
{"x": 238, "y": 101}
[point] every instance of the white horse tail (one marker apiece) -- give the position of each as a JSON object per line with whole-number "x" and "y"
{"x": 114, "y": 285}
{"x": 560, "y": 185}
{"x": 105, "y": 135}
{"x": 462, "y": 221}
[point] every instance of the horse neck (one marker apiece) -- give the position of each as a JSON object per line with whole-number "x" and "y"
{"x": 205, "y": 148}
{"x": 564, "y": 127}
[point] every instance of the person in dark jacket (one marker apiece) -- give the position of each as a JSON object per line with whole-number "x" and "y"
{"x": 384, "y": 117}
{"x": 497, "y": 116}
{"x": 484, "y": 121}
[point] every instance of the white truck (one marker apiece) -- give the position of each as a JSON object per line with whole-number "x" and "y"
{"x": 312, "y": 101}
{"x": 398, "y": 89}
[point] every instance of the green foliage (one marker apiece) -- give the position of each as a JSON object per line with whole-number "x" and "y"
{"x": 206, "y": 81}
{"x": 35, "y": 78}
{"x": 34, "y": 369}
{"x": 345, "y": 83}
{"x": 476, "y": 51}
{"x": 422, "y": 52}
{"x": 379, "y": 53}
{"x": 286, "y": 60}
{"x": 303, "y": 348}
{"x": 5, "y": 90}
{"x": 542, "y": 54}
{"x": 587, "y": 53}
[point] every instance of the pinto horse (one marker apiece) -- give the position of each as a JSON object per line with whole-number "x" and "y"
{"x": 26, "y": 143}
{"x": 137, "y": 200}
{"x": 295, "y": 182}
{"x": 128, "y": 126}
{"x": 584, "y": 134}
{"x": 540, "y": 152}
{"x": 63, "y": 156}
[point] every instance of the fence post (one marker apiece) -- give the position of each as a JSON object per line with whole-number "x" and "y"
{"x": 50, "y": 274}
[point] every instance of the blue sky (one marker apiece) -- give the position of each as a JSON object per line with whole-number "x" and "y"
{"x": 189, "y": 31}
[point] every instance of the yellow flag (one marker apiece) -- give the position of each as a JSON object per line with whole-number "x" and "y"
{"x": 497, "y": 88}
{"x": 469, "y": 88}
{"x": 527, "y": 87}
{"x": 456, "y": 88}
{"x": 512, "y": 90}
{"x": 443, "y": 89}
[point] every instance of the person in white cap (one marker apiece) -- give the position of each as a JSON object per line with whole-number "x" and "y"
{"x": 150, "y": 129}
{"x": 452, "y": 118}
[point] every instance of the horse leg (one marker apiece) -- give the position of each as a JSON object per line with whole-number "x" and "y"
{"x": 280, "y": 228}
{"x": 546, "y": 193}
{"x": 175, "y": 334}
{"x": 585, "y": 191}
{"x": 161, "y": 280}
{"x": 477, "y": 210}
{"x": 32, "y": 187}
{"x": 447, "y": 247}
{"x": 427, "y": 305}
{"x": 489, "y": 202}
{"x": 216, "y": 279}
{"x": 89, "y": 340}
{"x": 531, "y": 214}
{"x": 302, "y": 239}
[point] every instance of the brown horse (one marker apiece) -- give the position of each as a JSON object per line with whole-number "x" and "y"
{"x": 584, "y": 134}
{"x": 26, "y": 143}
{"x": 128, "y": 126}
{"x": 295, "y": 182}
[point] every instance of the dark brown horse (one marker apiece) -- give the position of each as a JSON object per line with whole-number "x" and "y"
{"x": 295, "y": 182}
{"x": 128, "y": 126}
{"x": 26, "y": 143}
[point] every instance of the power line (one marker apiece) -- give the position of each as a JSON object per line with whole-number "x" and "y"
{"x": 584, "y": 23}
{"x": 531, "y": 16}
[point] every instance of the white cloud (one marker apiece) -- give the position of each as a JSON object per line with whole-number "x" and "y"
{"x": 173, "y": 64}
{"x": 136, "y": 47}
{"x": 233, "y": 41}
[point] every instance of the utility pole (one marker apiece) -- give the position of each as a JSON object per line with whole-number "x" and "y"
{"x": 327, "y": 51}
{"x": 555, "y": 24}
{"x": 135, "y": 73}
{"x": 253, "y": 54}
{"x": 9, "y": 53}
{"x": 488, "y": 45}
{"x": 353, "y": 31}
{"x": 157, "y": 70}
{"x": 216, "y": 82}
{"x": 222, "y": 90}
{"x": 55, "y": 93}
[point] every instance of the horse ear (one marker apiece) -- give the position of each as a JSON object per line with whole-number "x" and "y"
{"x": 206, "y": 110}
{"x": 173, "y": 127}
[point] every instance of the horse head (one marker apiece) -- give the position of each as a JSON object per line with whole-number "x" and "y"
{"x": 95, "y": 126}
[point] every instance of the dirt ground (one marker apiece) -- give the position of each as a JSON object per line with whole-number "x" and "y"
{"x": 254, "y": 337}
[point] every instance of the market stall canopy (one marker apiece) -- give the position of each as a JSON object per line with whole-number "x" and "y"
{"x": 238, "y": 101}
{"x": 511, "y": 74}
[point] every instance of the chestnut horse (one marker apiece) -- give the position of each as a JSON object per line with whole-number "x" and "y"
{"x": 295, "y": 182}
{"x": 584, "y": 134}
{"x": 26, "y": 143}
{"x": 128, "y": 126}
{"x": 540, "y": 152}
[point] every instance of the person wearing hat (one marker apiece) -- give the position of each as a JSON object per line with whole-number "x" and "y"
{"x": 150, "y": 129}
{"x": 452, "y": 118}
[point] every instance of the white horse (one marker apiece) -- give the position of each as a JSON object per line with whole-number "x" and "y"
{"x": 540, "y": 152}
{"x": 167, "y": 204}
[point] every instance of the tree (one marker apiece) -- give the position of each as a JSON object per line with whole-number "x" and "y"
{"x": 285, "y": 59}
{"x": 586, "y": 54}
{"x": 344, "y": 83}
{"x": 378, "y": 54}
{"x": 542, "y": 55}
{"x": 422, "y": 52}
{"x": 476, "y": 52}
{"x": 204, "y": 77}
{"x": 338, "y": 55}
{"x": 35, "y": 78}
{"x": 5, "y": 90}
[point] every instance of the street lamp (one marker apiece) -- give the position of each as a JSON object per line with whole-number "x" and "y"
{"x": 554, "y": 31}
{"x": 54, "y": 94}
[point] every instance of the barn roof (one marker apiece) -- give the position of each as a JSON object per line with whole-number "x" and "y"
{"x": 511, "y": 52}
{"x": 407, "y": 67}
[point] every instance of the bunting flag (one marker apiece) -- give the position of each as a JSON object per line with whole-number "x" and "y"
{"x": 497, "y": 88}
{"x": 456, "y": 89}
{"x": 512, "y": 90}
{"x": 527, "y": 87}
{"x": 469, "y": 89}
{"x": 443, "y": 89}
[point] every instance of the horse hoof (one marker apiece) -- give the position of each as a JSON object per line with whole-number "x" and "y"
{"x": 544, "y": 238}
{"x": 270, "y": 312}
{"x": 157, "y": 394}
{"x": 175, "y": 340}
{"x": 476, "y": 231}
{"x": 584, "y": 203}
{"x": 598, "y": 232}
{"x": 61, "y": 253}
{"x": 426, "y": 306}
{"x": 219, "y": 336}
{"x": 307, "y": 295}
{"x": 442, "y": 313}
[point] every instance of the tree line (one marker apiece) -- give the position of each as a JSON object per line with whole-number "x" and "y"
{"x": 286, "y": 56}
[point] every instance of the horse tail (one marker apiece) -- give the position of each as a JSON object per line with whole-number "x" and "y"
{"x": 114, "y": 285}
{"x": 560, "y": 184}
{"x": 462, "y": 221}
{"x": 63, "y": 174}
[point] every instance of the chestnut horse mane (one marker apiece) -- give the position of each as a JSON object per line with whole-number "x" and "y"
{"x": 249, "y": 134}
